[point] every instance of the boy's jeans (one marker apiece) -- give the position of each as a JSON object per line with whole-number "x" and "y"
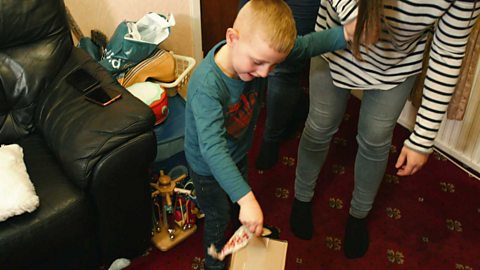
{"x": 219, "y": 212}
{"x": 379, "y": 112}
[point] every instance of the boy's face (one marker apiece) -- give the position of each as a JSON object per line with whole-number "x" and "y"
{"x": 252, "y": 57}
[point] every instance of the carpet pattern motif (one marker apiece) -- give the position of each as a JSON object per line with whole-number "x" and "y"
{"x": 430, "y": 220}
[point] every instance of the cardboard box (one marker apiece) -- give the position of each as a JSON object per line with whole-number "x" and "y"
{"x": 260, "y": 254}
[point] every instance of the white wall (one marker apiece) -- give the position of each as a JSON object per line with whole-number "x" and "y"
{"x": 105, "y": 15}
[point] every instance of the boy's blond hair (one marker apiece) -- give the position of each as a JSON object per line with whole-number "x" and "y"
{"x": 272, "y": 19}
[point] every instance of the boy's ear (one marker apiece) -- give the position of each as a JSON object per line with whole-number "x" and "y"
{"x": 232, "y": 36}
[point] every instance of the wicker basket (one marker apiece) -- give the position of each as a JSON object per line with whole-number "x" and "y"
{"x": 184, "y": 66}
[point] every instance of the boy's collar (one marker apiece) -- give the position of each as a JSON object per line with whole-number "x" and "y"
{"x": 220, "y": 56}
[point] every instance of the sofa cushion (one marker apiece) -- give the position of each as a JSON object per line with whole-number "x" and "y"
{"x": 34, "y": 43}
{"x": 17, "y": 193}
{"x": 63, "y": 205}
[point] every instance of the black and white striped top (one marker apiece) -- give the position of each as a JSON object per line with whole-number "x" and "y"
{"x": 399, "y": 52}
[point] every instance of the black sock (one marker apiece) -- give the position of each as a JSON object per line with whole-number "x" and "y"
{"x": 270, "y": 231}
{"x": 268, "y": 155}
{"x": 356, "y": 237}
{"x": 301, "y": 222}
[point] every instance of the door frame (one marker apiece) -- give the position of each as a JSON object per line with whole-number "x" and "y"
{"x": 196, "y": 29}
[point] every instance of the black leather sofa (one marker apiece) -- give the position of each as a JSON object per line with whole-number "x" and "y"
{"x": 89, "y": 164}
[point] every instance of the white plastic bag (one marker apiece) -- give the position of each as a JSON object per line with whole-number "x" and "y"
{"x": 152, "y": 28}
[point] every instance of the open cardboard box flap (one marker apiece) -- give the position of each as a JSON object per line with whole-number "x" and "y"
{"x": 260, "y": 254}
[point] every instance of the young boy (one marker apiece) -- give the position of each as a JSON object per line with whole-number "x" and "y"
{"x": 222, "y": 108}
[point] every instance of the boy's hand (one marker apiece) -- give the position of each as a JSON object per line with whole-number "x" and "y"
{"x": 251, "y": 214}
{"x": 349, "y": 29}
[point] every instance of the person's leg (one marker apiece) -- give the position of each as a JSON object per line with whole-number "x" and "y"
{"x": 284, "y": 91}
{"x": 327, "y": 107}
{"x": 216, "y": 206}
{"x": 283, "y": 95}
{"x": 305, "y": 14}
{"x": 379, "y": 113}
{"x": 241, "y": 3}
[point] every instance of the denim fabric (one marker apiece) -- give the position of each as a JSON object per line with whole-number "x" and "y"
{"x": 284, "y": 90}
{"x": 219, "y": 212}
{"x": 378, "y": 115}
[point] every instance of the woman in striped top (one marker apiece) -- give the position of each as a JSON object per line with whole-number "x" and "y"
{"x": 385, "y": 67}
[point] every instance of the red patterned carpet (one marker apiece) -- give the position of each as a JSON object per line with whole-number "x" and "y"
{"x": 427, "y": 221}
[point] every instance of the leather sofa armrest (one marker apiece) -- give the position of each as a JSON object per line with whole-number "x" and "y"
{"x": 79, "y": 132}
{"x": 106, "y": 151}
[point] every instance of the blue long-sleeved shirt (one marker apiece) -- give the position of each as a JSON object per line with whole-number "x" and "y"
{"x": 217, "y": 105}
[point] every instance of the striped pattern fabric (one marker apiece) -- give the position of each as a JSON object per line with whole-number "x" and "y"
{"x": 399, "y": 52}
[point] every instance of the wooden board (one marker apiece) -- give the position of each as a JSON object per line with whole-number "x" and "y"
{"x": 163, "y": 242}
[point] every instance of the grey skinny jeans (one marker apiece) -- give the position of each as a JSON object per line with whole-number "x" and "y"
{"x": 379, "y": 112}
